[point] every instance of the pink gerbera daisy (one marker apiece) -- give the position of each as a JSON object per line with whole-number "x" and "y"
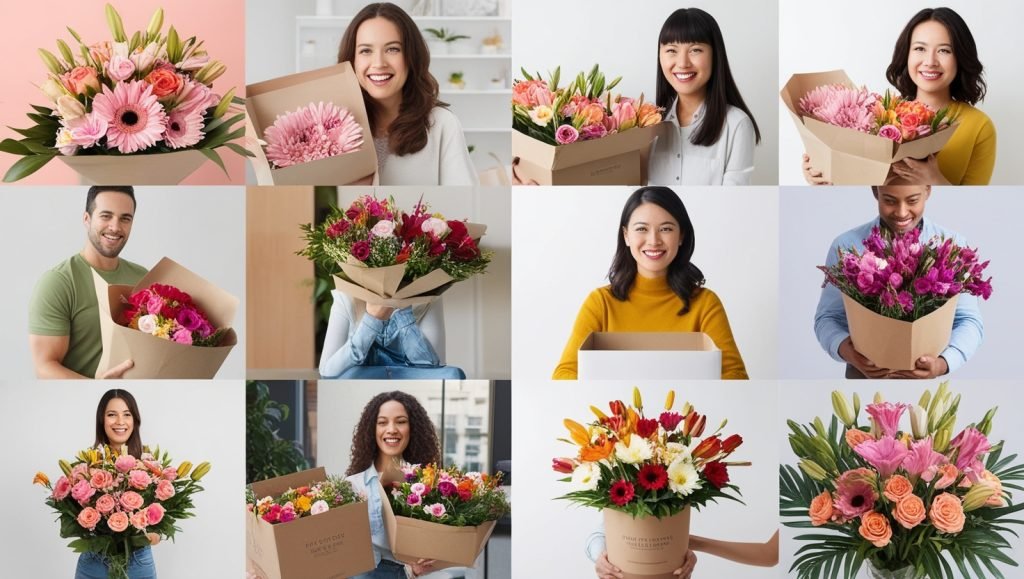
{"x": 855, "y": 492}
{"x": 135, "y": 118}
{"x": 315, "y": 131}
{"x": 184, "y": 130}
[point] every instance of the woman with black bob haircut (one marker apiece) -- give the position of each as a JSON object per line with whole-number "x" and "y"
{"x": 654, "y": 285}
{"x": 709, "y": 134}
{"x": 418, "y": 140}
{"x": 393, "y": 429}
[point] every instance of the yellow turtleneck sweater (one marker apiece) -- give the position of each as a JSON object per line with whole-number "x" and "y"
{"x": 652, "y": 307}
{"x": 970, "y": 154}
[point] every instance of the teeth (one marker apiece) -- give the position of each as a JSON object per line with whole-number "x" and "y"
{"x": 930, "y": 75}
{"x": 379, "y": 77}
{"x": 685, "y": 75}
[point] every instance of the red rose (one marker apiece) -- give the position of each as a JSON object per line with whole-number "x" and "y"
{"x": 458, "y": 231}
{"x": 352, "y": 213}
{"x": 716, "y": 473}
{"x": 465, "y": 250}
{"x": 361, "y": 250}
{"x": 337, "y": 228}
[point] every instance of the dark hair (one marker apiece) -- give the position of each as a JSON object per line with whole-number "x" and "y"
{"x": 968, "y": 86}
{"x": 684, "y": 278}
{"x": 135, "y": 440}
{"x": 90, "y": 197}
{"x": 408, "y": 132}
{"x": 690, "y": 25}
{"x": 423, "y": 444}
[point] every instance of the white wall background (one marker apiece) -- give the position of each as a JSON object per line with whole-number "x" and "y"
{"x": 477, "y": 312}
{"x": 551, "y": 535}
{"x": 565, "y": 239}
{"x": 817, "y": 36}
{"x": 623, "y": 39}
{"x": 809, "y": 221}
{"x": 802, "y": 401}
{"x": 194, "y": 420}
{"x": 201, "y": 228}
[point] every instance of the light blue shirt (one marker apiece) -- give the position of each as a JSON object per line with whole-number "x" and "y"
{"x": 368, "y": 483}
{"x": 830, "y": 324}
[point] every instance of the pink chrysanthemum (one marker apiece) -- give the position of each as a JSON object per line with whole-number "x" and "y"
{"x": 841, "y": 106}
{"x": 183, "y": 130}
{"x": 855, "y": 492}
{"x": 135, "y": 118}
{"x": 316, "y": 131}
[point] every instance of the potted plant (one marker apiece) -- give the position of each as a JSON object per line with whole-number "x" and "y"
{"x": 456, "y": 80}
{"x": 441, "y": 39}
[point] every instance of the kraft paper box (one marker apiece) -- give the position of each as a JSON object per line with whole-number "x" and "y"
{"x": 155, "y": 357}
{"x": 648, "y": 547}
{"x": 139, "y": 169}
{"x": 380, "y": 285}
{"x": 896, "y": 344}
{"x": 845, "y": 156}
{"x": 619, "y": 159}
{"x": 266, "y": 100}
{"x": 649, "y": 356}
{"x": 413, "y": 539}
{"x": 330, "y": 545}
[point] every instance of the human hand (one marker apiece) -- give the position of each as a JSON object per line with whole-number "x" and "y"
{"x": 117, "y": 371}
{"x": 605, "y": 570}
{"x": 380, "y": 312}
{"x": 421, "y": 566}
{"x": 515, "y": 176}
{"x": 857, "y": 360}
{"x": 153, "y": 538}
{"x": 926, "y": 367}
{"x": 919, "y": 172}
{"x": 689, "y": 563}
{"x": 812, "y": 175}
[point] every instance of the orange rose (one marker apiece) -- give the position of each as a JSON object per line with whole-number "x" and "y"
{"x": 855, "y": 437}
{"x": 164, "y": 82}
{"x": 821, "y": 509}
{"x": 897, "y": 487}
{"x": 947, "y": 513}
{"x": 80, "y": 78}
{"x": 591, "y": 114}
{"x": 909, "y": 511}
{"x": 874, "y": 527}
{"x": 648, "y": 115}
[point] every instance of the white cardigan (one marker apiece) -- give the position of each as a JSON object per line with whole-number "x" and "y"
{"x": 443, "y": 161}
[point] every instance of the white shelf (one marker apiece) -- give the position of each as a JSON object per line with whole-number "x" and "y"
{"x": 476, "y": 92}
{"x": 471, "y": 56}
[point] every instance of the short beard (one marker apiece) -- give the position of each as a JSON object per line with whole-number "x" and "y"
{"x": 94, "y": 238}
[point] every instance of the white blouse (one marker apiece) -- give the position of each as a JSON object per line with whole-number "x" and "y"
{"x": 677, "y": 161}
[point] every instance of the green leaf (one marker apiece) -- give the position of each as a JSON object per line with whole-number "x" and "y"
{"x": 213, "y": 156}
{"x": 239, "y": 149}
{"x": 26, "y": 166}
{"x": 14, "y": 147}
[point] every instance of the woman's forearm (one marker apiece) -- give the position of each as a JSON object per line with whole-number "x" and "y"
{"x": 758, "y": 554}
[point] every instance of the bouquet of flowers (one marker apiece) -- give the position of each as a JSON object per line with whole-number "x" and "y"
{"x": 304, "y": 501}
{"x": 146, "y": 93}
{"x": 166, "y": 312}
{"x": 316, "y": 131}
{"x": 109, "y": 500}
{"x": 900, "y": 277}
{"x": 890, "y": 115}
{"x": 448, "y": 496}
{"x": 582, "y": 111}
{"x": 909, "y": 502}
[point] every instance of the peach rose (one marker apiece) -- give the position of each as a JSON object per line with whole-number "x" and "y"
{"x": 139, "y": 479}
{"x": 170, "y": 473}
{"x": 139, "y": 520}
{"x": 165, "y": 82}
{"x": 101, "y": 479}
{"x": 947, "y": 513}
{"x": 164, "y": 490}
{"x": 89, "y": 517}
{"x": 154, "y": 513}
{"x": 131, "y": 500}
{"x": 909, "y": 511}
{"x": 897, "y": 487}
{"x": 125, "y": 463}
{"x": 118, "y": 522}
{"x": 874, "y": 527}
{"x": 821, "y": 509}
{"x": 105, "y": 504}
{"x": 591, "y": 114}
{"x": 855, "y": 437}
{"x": 81, "y": 78}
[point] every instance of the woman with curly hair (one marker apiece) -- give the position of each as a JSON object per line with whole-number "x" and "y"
{"x": 394, "y": 428}
{"x": 418, "y": 140}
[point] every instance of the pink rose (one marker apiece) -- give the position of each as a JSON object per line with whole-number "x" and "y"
{"x": 183, "y": 336}
{"x": 89, "y": 517}
{"x": 566, "y": 134}
{"x": 62, "y": 488}
{"x": 105, "y": 504}
{"x": 154, "y": 514}
{"x": 118, "y": 522}
{"x": 82, "y": 491}
{"x": 101, "y": 479}
{"x": 139, "y": 479}
{"x": 891, "y": 132}
{"x": 120, "y": 68}
{"x": 131, "y": 500}
{"x": 81, "y": 78}
{"x": 164, "y": 490}
{"x": 139, "y": 520}
{"x": 170, "y": 473}
{"x": 125, "y": 463}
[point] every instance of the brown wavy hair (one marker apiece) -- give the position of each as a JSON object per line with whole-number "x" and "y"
{"x": 135, "y": 439}
{"x": 408, "y": 132}
{"x": 423, "y": 446}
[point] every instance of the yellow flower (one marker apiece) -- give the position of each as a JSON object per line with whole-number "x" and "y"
{"x": 427, "y": 475}
{"x": 541, "y": 115}
{"x": 41, "y": 479}
{"x": 670, "y": 400}
{"x": 302, "y": 504}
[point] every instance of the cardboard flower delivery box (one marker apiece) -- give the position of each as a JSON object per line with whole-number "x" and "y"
{"x": 896, "y": 344}
{"x": 649, "y": 356}
{"x": 141, "y": 169}
{"x": 619, "y": 159}
{"x": 647, "y": 547}
{"x": 156, "y": 357}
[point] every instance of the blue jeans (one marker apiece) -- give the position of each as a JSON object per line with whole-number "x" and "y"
{"x": 387, "y": 569}
{"x": 94, "y": 566}
{"x": 403, "y": 373}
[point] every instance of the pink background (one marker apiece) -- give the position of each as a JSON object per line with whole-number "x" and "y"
{"x": 38, "y": 24}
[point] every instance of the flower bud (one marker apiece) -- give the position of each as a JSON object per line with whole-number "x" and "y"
{"x": 670, "y": 399}
{"x": 64, "y": 467}
{"x": 41, "y": 479}
{"x": 842, "y": 409}
{"x": 210, "y": 73}
{"x": 51, "y": 62}
{"x": 977, "y": 496}
{"x": 941, "y": 440}
{"x": 918, "y": 422}
{"x": 222, "y": 106}
{"x": 155, "y": 23}
{"x": 69, "y": 108}
{"x": 200, "y": 471}
{"x": 53, "y": 89}
{"x": 597, "y": 412}
{"x": 184, "y": 468}
{"x": 985, "y": 426}
{"x": 638, "y": 402}
{"x": 812, "y": 469}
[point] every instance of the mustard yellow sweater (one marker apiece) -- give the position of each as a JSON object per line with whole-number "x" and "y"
{"x": 652, "y": 307}
{"x": 970, "y": 154}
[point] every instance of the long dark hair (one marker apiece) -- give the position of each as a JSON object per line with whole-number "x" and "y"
{"x": 423, "y": 444}
{"x": 683, "y": 277}
{"x": 408, "y": 132}
{"x": 969, "y": 85}
{"x": 692, "y": 25}
{"x": 135, "y": 439}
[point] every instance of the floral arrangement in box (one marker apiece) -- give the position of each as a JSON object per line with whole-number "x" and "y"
{"x": 908, "y": 502}
{"x": 167, "y": 312}
{"x": 647, "y": 467}
{"x": 150, "y": 92}
{"x": 308, "y": 500}
{"x": 448, "y": 496}
{"x": 889, "y": 116}
{"x": 109, "y": 500}
{"x": 901, "y": 277}
{"x": 310, "y": 133}
{"x": 582, "y": 111}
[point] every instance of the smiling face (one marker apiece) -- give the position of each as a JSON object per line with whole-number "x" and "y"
{"x": 380, "y": 60}
{"x": 653, "y": 237}
{"x": 110, "y": 223}
{"x": 686, "y": 66}
{"x": 901, "y": 207}
{"x": 392, "y": 432}
{"x": 118, "y": 422}
{"x": 931, "y": 63}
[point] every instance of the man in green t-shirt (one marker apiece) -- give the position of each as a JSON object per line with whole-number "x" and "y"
{"x": 64, "y": 321}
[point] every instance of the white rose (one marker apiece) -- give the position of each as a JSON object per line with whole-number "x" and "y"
{"x": 383, "y": 228}
{"x": 436, "y": 226}
{"x": 147, "y": 324}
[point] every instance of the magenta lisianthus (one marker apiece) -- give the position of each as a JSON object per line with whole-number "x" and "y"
{"x": 591, "y": 132}
{"x": 885, "y": 454}
{"x": 566, "y": 134}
